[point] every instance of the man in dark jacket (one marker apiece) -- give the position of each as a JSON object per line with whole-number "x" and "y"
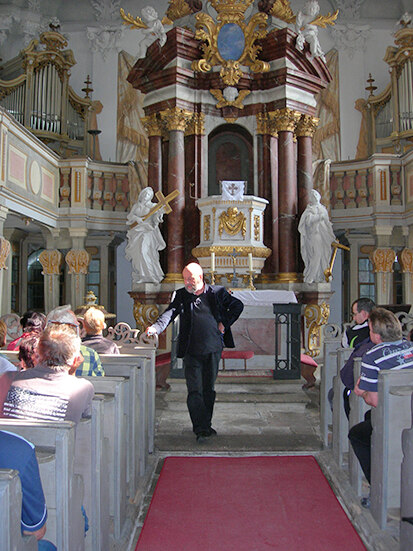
{"x": 206, "y": 315}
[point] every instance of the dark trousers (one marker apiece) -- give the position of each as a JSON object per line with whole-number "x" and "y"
{"x": 200, "y": 374}
{"x": 360, "y": 439}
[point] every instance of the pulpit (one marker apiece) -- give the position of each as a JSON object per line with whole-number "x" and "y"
{"x": 232, "y": 238}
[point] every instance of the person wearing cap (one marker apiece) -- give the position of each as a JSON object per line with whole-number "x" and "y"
{"x": 91, "y": 364}
{"x": 93, "y": 324}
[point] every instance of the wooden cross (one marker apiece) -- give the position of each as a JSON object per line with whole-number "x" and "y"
{"x": 162, "y": 202}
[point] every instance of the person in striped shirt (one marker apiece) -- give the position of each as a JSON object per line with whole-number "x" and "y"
{"x": 391, "y": 351}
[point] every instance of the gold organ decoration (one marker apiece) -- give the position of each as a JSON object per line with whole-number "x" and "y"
{"x": 78, "y": 261}
{"x": 207, "y": 227}
{"x": 51, "y": 260}
{"x": 231, "y": 42}
{"x": 4, "y": 252}
{"x": 232, "y": 222}
{"x": 316, "y": 315}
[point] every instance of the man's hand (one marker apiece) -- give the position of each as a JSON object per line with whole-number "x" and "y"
{"x": 39, "y": 534}
{"x": 357, "y": 390}
{"x": 371, "y": 398}
{"x": 221, "y": 327}
{"x": 151, "y": 331}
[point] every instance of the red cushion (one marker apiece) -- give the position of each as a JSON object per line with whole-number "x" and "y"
{"x": 308, "y": 360}
{"x": 237, "y": 354}
{"x": 163, "y": 359}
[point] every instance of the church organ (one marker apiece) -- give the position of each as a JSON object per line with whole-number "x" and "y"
{"x": 34, "y": 88}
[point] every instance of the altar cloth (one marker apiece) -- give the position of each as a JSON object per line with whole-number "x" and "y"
{"x": 265, "y": 298}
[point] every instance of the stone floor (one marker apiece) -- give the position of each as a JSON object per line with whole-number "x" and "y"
{"x": 255, "y": 416}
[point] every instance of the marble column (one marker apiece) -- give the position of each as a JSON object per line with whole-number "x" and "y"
{"x": 176, "y": 120}
{"x": 285, "y": 123}
{"x": 194, "y": 170}
{"x": 406, "y": 264}
{"x": 305, "y": 130}
{"x": 267, "y": 156}
{"x": 153, "y": 127}
{"x": 383, "y": 260}
{"x": 51, "y": 261}
{"x": 5, "y": 248}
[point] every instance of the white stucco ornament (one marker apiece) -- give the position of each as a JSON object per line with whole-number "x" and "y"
{"x": 154, "y": 31}
{"x": 145, "y": 239}
{"x": 316, "y": 238}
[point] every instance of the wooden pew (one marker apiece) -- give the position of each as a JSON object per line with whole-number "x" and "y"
{"x": 63, "y": 489}
{"x": 140, "y": 371}
{"x": 115, "y": 431}
{"x": 332, "y": 339}
{"x": 406, "y": 489}
{"x": 358, "y": 408}
{"x": 91, "y": 462}
{"x": 340, "y": 422}
{"x": 11, "y": 538}
{"x": 392, "y": 415}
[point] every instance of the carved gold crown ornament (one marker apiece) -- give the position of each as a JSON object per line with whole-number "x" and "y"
{"x": 230, "y": 42}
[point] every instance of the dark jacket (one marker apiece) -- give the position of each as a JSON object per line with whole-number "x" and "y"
{"x": 346, "y": 372}
{"x": 224, "y": 307}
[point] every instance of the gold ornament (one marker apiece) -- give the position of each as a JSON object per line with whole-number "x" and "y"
{"x": 144, "y": 314}
{"x": 281, "y": 9}
{"x": 316, "y": 315}
{"x": 78, "y": 261}
{"x": 222, "y": 102}
{"x": 406, "y": 260}
{"x": 4, "y": 252}
{"x": 129, "y": 20}
{"x": 232, "y": 222}
{"x": 383, "y": 260}
{"x": 207, "y": 227}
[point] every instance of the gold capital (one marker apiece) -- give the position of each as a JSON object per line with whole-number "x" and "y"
{"x": 51, "y": 260}
{"x": 176, "y": 118}
{"x": 306, "y": 126}
{"x": 196, "y": 125}
{"x": 153, "y": 125}
{"x": 406, "y": 260}
{"x": 78, "y": 261}
{"x": 383, "y": 260}
{"x": 4, "y": 252}
{"x": 285, "y": 119}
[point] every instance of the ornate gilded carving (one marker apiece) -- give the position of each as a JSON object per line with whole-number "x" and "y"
{"x": 223, "y": 102}
{"x": 307, "y": 125}
{"x": 78, "y": 261}
{"x": 4, "y": 252}
{"x": 230, "y": 12}
{"x": 383, "y": 260}
{"x": 281, "y": 9}
{"x": 176, "y": 118}
{"x": 316, "y": 315}
{"x": 51, "y": 260}
{"x": 176, "y": 10}
{"x": 219, "y": 250}
{"x": 144, "y": 314}
{"x": 196, "y": 125}
{"x": 406, "y": 260}
{"x": 153, "y": 125}
{"x": 232, "y": 222}
{"x": 132, "y": 22}
{"x": 262, "y": 123}
{"x": 257, "y": 227}
{"x": 207, "y": 227}
{"x": 284, "y": 119}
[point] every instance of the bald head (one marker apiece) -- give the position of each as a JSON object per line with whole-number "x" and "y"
{"x": 193, "y": 278}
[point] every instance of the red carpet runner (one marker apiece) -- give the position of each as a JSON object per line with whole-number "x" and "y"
{"x": 245, "y": 504}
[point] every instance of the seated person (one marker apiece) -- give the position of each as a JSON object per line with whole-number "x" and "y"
{"x": 28, "y": 350}
{"x": 391, "y": 351}
{"x": 359, "y": 331}
{"x": 17, "y": 453}
{"x": 93, "y": 325}
{"x": 48, "y": 392}
{"x": 91, "y": 364}
{"x": 30, "y": 321}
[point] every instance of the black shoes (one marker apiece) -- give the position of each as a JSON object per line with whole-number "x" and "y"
{"x": 204, "y": 435}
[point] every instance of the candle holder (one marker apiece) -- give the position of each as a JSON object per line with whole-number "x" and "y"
{"x": 251, "y": 276}
{"x": 212, "y": 274}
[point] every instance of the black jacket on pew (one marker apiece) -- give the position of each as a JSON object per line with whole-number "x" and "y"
{"x": 224, "y": 307}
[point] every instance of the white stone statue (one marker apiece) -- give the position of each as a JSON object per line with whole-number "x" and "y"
{"x": 145, "y": 240}
{"x": 308, "y": 32}
{"x": 155, "y": 30}
{"x": 316, "y": 237}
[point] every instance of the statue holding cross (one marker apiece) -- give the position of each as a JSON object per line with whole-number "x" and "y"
{"x": 144, "y": 236}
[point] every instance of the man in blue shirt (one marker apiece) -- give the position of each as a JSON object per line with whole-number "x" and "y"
{"x": 391, "y": 351}
{"x": 17, "y": 453}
